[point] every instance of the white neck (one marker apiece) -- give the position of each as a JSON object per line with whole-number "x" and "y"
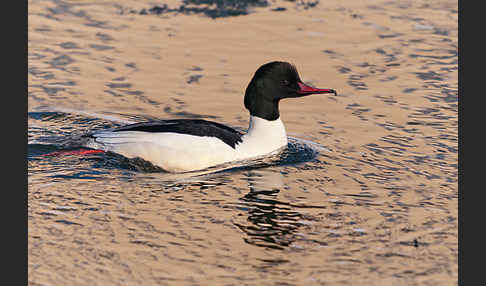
{"x": 263, "y": 137}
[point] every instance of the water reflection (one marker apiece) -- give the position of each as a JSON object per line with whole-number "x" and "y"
{"x": 272, "y": 222}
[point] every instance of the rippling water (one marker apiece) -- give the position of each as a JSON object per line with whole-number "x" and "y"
{"x": 365, "y": 193}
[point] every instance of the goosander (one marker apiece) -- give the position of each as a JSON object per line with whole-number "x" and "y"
{"x": 184, "y": 145}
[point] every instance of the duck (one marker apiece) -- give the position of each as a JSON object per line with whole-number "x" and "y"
{"x": 186, "y": 145}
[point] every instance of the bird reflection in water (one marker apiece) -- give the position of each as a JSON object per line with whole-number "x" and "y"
{"x": 272, "y": 223}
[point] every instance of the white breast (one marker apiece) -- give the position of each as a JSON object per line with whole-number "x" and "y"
{"x": 263, "y": 137}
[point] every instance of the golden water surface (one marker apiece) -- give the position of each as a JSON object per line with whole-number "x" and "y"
{"x": 376, "y": 206}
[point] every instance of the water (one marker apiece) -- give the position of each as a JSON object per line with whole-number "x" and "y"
{"x": 365, "y": 193}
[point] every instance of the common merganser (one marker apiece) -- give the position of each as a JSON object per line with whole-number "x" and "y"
{"x": 183, "y": 145}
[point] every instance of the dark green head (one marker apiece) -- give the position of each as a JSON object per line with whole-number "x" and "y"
{"x": 271, "y": 83}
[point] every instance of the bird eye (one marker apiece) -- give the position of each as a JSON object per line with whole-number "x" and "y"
{"x": 284, "y": 82}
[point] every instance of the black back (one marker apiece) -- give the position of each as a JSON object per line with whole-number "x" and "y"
{"x": 195, "y": 127}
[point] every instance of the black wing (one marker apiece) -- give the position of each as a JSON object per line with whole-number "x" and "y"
{"x": 196, "y": 127}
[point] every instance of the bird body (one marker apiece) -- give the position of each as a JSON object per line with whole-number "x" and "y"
{"x": 184, "y": 145}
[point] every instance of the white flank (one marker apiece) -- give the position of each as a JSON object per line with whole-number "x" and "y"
{"x": 176, "y": 152}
